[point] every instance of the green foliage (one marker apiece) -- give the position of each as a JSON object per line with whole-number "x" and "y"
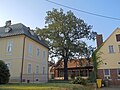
{"x": 45, "y": 86}
{"x": 65, "y": 33}
{"x": 72, "y": 76}
{"x": 97, "y": 60}
{"x": 91, "y": 78}
{"x": 4, "y": 73}
{"x": 80, "y": 80}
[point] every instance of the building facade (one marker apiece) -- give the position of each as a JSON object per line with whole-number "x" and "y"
{"x": 75, "y": 68}
{"x": 110, "y": 56}
{"x": 24, "y": 52}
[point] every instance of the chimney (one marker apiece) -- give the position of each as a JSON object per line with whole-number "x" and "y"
{"x": 99, "y": 39}
{"x": 8, "y": 23}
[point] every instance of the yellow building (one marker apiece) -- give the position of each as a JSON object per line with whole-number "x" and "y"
{"x": 110, "y": 55}
{"x": 24, "y": 52}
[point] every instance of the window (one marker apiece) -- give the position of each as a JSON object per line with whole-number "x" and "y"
{"x": 30, "y": 48}
{"x": 83, "y": 72}
{"x": 60, "y": 73}
{"x": 23, "y": 80}
{"x": 107, "y": 72}
{"x": 118, "y": 71}
{"x": 77, "y": 73}
{"x": 37, "y": 79}
{"x": 44, "y": 54}
{"x": 37, "y": 69}
{"x": 118, "y": 37}
{"x": 111, "y": 50}
{"x": 37, "y": 52}
{"x": 69, "y": 73}
{"x": 118, "y": 62}
{"x": 31, "y": 32}
{"x": 8, "y": 65}
{"x": 119, "y": 48}
{"x": 43, "y": 70}
{"x": 9, "y": 46}
{"x": 29, "y": 68}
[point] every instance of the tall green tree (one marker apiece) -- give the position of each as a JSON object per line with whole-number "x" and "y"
{"x": 64, "y": 33}
{"x": 97, "y": 61}
{"x": 85, "y": 53}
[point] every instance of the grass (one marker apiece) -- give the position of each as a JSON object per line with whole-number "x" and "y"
{"x": 45, "y": 86}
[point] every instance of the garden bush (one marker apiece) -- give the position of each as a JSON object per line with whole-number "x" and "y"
{"x": 72, "y": 76}
{"x": 4, "y": 73}
{"x": 80, "y": 80}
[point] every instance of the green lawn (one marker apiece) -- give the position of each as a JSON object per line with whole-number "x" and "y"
{"x": 45, "y": 86}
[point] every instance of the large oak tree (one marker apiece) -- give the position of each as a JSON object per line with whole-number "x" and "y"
{"x": 65, "y": 33}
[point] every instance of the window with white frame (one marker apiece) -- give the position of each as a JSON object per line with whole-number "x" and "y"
{"x": 44, "y": 54}
{"x": 37, "y": 69}
{"x": 30, "y": 49}
{"x": 8, "y": 65}
{"x": 29, "y": 68}
{"x": 111, "y": 49}
{"x": 38, "y": 52}
{"x": 106, "y": 73}
{"x": 9, "y": 46}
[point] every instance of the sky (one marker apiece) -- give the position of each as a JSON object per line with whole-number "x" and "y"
{"x": 32, "y": 13}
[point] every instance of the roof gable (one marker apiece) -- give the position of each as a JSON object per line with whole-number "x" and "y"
{"x": 111, "y": 39}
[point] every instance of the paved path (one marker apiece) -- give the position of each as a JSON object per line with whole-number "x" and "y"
{"x": 109, "y": 88}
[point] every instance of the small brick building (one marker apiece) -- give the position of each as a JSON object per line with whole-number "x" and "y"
{"x": 75, "y": 67}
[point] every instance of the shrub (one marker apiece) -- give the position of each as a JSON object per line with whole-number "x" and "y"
{"x": 92, "y": 77}
{"x": 4, "y": 73}
{"x": 80, "y": 80}
{"x": 72, "y": 76}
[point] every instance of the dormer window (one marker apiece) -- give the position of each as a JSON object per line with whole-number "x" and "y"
{"x": 7, "y": 29}
{"x": 32, "y": 32}
{"x": 39, "y": 37}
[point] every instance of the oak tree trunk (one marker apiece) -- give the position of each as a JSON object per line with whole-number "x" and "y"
{"x": 65, "y": 68}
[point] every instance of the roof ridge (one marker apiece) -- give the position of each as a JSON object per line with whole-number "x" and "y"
{"x": 19, "y": 29}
